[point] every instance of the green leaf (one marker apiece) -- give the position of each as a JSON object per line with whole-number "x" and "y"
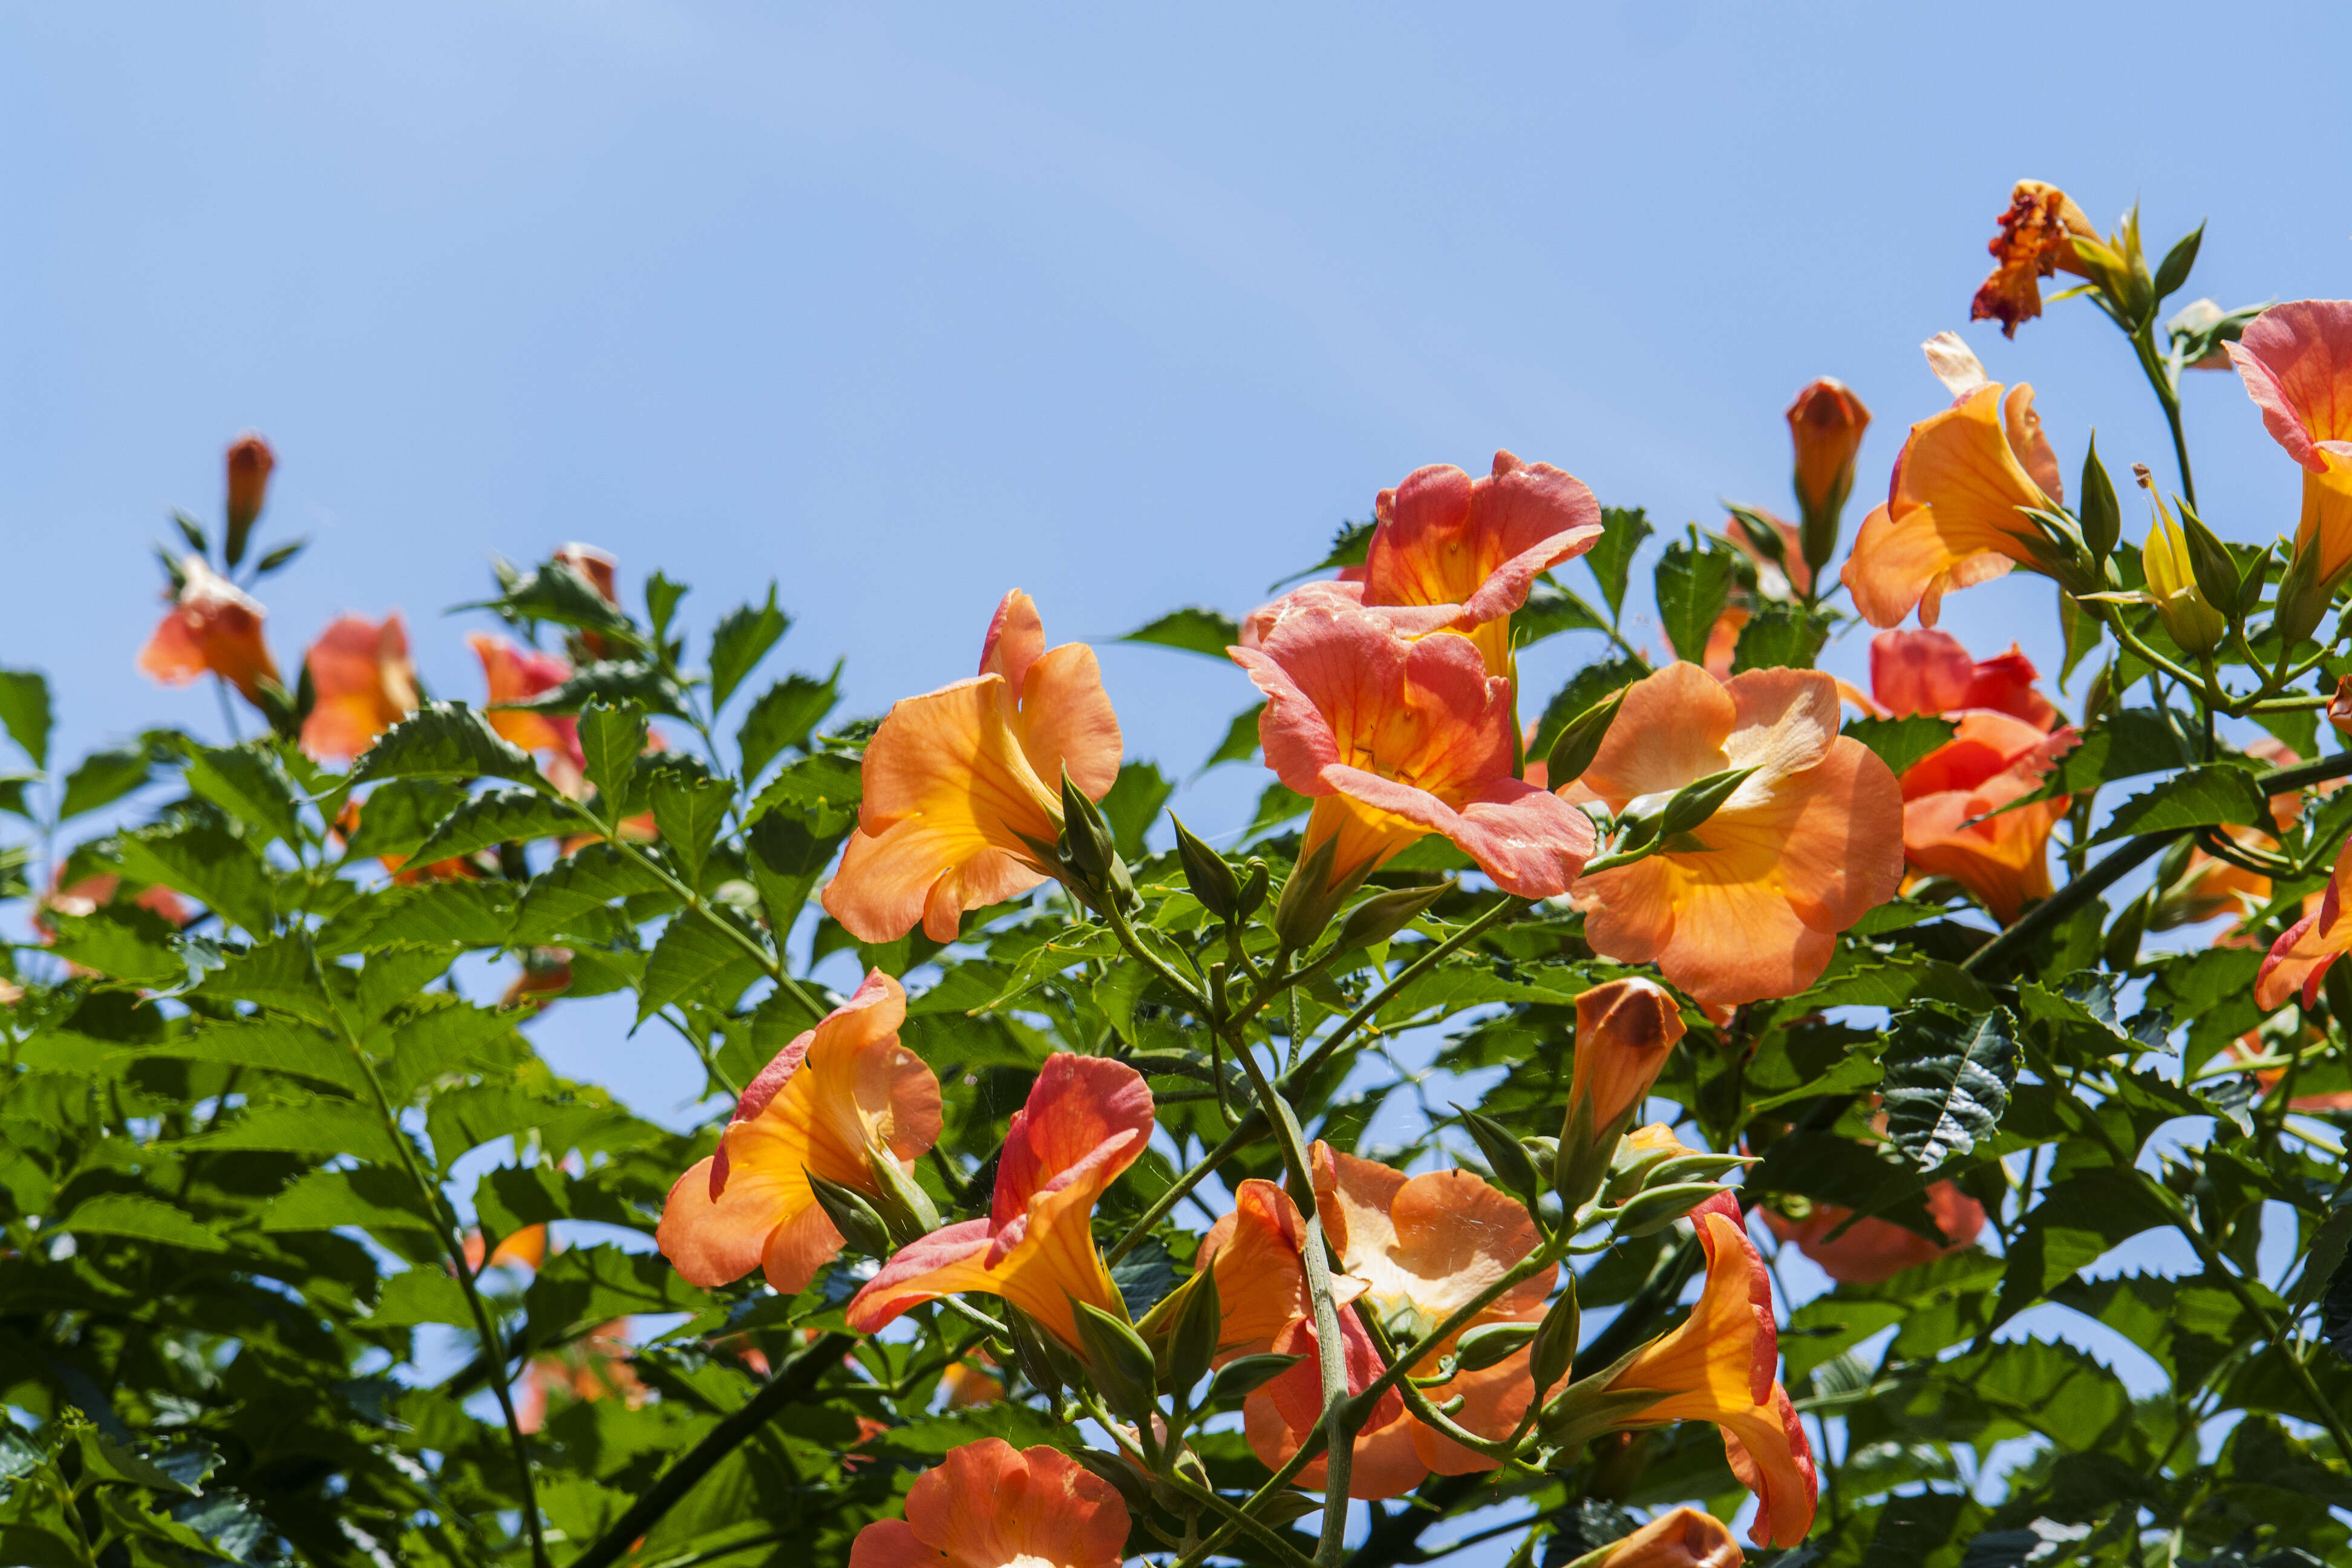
{"x": 420, "y": 1296}
{"x": 690, "y": 810}
{"x": 13, "y": 798}
{"x": 614, "y": 681}
{"x": 586, "y": 1286}
{"x": 695, "y": 959}
{"x": 1278, "y": 805}
{"x": 823, "y": 788}
{"x": 1587, "y": 688}
{"x": 442, "y": 740}
{"x": 1611, "y": 559}
{"x": 1900, "y": 742}
{"x": 2197, "y": 797}
{"x": 590, "y": 878}
{"x": 140, "y": 1218}
{"x": 557, "y": 592}
{"x": 398, "y": 816}
{"x": 2078, "y": 1221}
{"x": 662, "y": 597}
{"x": 1947, "y": 1078}
{"x": 121, "y": 941}
{"x": 371, "y": 1197}
{"x": 612, "y": 738}
{"x": 1550, "y": 611}
{"x": 2126, "y": 744}
{"x": 281, "y": 973}
{"x": 739, "y": 642}
{"x": 2173, "y": 271}
{"x": 446, "y": 1036}
{"x": 2335, "y": 1310}
{"x": 1192, "y": 631}
{"x": 786, "y": 861}
{"x": 1781, "y": 637}
{"x": 498, "y": 816}
{"x": 249, "y": 784}
{"x": 319, "y": 1127}
{"x": 783, "y": 717}
{"x": 464, "y": 1118}
{"x": 1351, "y": 543}
{"x": 1133, "y": 804}
{"x": 466, "y": 913}
{"x": 1694, "y": 584}
{"x": 207, "y": 863}
{"x": 102, "y": 778}
{"x": 25, "y": 711}
{"x": 1240, "y": 743}
{"x": 272, "y": 1044}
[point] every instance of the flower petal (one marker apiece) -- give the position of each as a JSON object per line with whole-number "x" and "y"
{"x": 2296, "y": 362}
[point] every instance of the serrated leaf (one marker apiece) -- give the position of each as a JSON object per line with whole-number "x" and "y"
{"x": 590, "y": 878}
{"x": 612, "y": 738}
{"x": 497, "y": 816}
{"x": 1550, "y": 611}
{"x": 696, "y": 959}
{"x": 281, "y": 973}
{"x": 1947, "y": 1078}
{"x": 104, "y": 777}
{"x": 1586, "y": 688}
{"x": 739, "y": 642}
{"x": 207, "y": 863}
{"x": 1277, "y": 805}
{"x": 2123, "y": 746}
{"x": 783, "y": 717}
{"x": 442, "y": 740}
{"x": 451, "y": 1037}
{"x": 398, "y": 816}
{"x": 14, "y": 795}
{"x": 1133, "y": 803}
{"x": 371, "y": 1197}
{"x": 614, "y": 681}
{"x": 557, "y": 592}
{"x": 786, "y": 860}
{"x": 124, "y": 942}
{"x": 319, "y": 1127}
{"x": 825, "y": 789}
{"x": 272, "y": 1044}
{"x": 2335, "y": 1310}
{"x": 1900, "y": 742}
{"x": 248, "y": 783}
{"x": 2197, "y": 797}
{"x": 1240, "y": 743}
{"x": 464, "y": 1118}
{"x": 420, "y": 1296}
{"x": 464, "y": 912}
{"x": 1191, "y": 630}
{"x": 690, "y": 810}
{"x": 1779, "y": 637}
{"x": 140, "y": 1218}
{"x": 1693, "y": 583}
{"x": 662, "y": 597}
{"x": 25, "y": 712}
{"x": 1611, "y": 559}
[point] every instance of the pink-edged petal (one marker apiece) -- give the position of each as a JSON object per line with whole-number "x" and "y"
{"x": 940, "y": 1264}
{"x": 2296, "y": 362}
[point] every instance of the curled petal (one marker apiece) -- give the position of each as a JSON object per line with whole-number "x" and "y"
{"x": 1684, "y": 1538}
{"x": 514, "y": 674}
{"x": 1278, "y": 1416}
{"x": 989, "y": 1505}
{"x": 364, "y": 684}
{"x": 213, "y": 627}
{"x": 2296, "y": 362}
{"x": 2298, "y": 960}
{"x": 1930, "y": 672}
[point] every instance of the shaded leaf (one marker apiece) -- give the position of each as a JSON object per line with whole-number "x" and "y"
{"x": 497, "y": 816}
{"x": 140, "y": 1218}
{"x": 1947, "y": 1078}
{"x": 25, "y": 712}
{"x": 1693, "y": 585}
{"x": 739, "y": 642}
{"x": 783, "y": 717}
{"x": 1900, "y": 742}
{"x": 102, "y": 778}
{"x": 1133, "y": 803}
{"x": 695, "y": 959}
{"x": 612, "y": 738}
{"x": 442, "y": 740}
{"x": 690, "y": 810}
{"x": 1611, "y": 559}
{"x": 2195, "y": 797}
{"x": 1191, "y": 629}
{"x": 1781, "y": 637}
{"x": 207, "y": 863}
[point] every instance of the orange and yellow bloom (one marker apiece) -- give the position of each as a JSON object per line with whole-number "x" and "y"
{"x": 1826, "y": 424}
{"x": 1718, "y": 1366}
{"x": 1951, "y": 518}
{"x": 363, "y": 681}
{"x": 1948, "y": 799}
{"x": 2036, "y": 239}
{"x": 2297, "y": 963}
{"x": 1684, "y": 1538}
{"x": 1395, "y": 737}
{"x": 214, "y": 627}
{"x": 2296, "y": 362}
{"x": 835, "y": 1100}
{"x": 1930, "y": 672}
{"x": 1085, "y": 1122}
{"x": 964, "y": 785}
{"x": 517, "y": 674}
{"x": 1808, "y": 844}
{"x": 990, "y": 1505}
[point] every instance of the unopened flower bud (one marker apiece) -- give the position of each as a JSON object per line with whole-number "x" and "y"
{"x": 249, "y": 462}
{"x": 1825, "y": 425}
{"x": 1624, "y": 1032}
{"x": 2171, "y": 572}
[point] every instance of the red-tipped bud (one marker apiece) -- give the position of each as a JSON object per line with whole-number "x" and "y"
{"x": 249, "y": 462}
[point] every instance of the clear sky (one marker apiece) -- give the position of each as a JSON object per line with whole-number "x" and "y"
{"x": 1125, "y": 306}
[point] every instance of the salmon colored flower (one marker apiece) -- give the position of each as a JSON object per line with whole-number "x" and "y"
{"x": 2036, "y": 239}
{"x": 1950, "y": 795}
{"x": 516, "y": 674}
{"x": 1804, "y": 847}
{"x": 364, "y": 684}
{"x": 1394, "y": 738}
{"x": 595, "y": 566}
{"x": 963, "y": 784}
{"x": 1684, "y": 1538}
{"x": 249, "y": 462}
{"x": 839, "y": 1097}
{"x": 1252, "y": 1258}
{"x": 595, "y": 1366}
{"x": 87, "y": 895}
{"x": 2251, "y": 1047}
{"x": 1873, "y": 1249}
{"x": 213, "y": 627}
{"x": 1951, "y": 518}
{"x": 525, "y": 1249}
{"x": 2296, "y": 362}
{"x": 1718, "y": 1366}
{"x": 968, "y": 1384}
{"x": 990, "y": 1505}
{"x": 1625, "y": 1030}
{"x": 546, "y": 973}
{"x": 1930, "y": 672}
{"x": 2298, "y": 960}
{"x": 1085, "y": 1122}
{"x": 1422, "y": 1246}
{"x": 1825, "y": 425}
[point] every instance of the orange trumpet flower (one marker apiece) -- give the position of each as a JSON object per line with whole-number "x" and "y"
{"x": 213, "y": 627}
{"x": 1873, "y": 1249}
{"x": 1808, "y": 844}
{"x": 1625, "y": 1030}
{"x": 1416, "y": 1248}
{"x": 835, "y": 1100}
{"x": 990, "y": 1505}
{"x": 364, "y": 684}
{"x": 964, "y": 785}
{"x": 1717, "y": 1366}
{"x": 1396, "y": 737}
{"x": 1948, "y": 794}
{"x": 1252, "y": 1258}
{"x": 1684, "y": 1538}
{"x": 1930, "y": 672}
{"x": 249, "y": 462}
{"x": 2298, "y": 960}
{"x": 1085, "y": 1121}
{"x": 2296, "y": 362}
{"x": 1950, "y": 519}
{"x": 1825, "y": 425}
{"x": 517, "y": 674}
{"x": 2036, "y": 239}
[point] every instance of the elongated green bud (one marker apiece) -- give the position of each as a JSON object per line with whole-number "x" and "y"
{"x": 1206, "y": 873}
{"x": 852, "y": 1215}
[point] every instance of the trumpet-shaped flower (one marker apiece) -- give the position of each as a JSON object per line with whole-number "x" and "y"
{"x": 1871, "y": 1249}
{"x": 1825, "y": 425}
{"x": 990, "y": 1505}
{"x": 1395, "y": 737}
{"x": 1808, "y": 844}
{"x": 1930, "y": 672}
{"x": 1684, "y": 1538}
{"x": 963, "y": 784}
{"x": 517, "y": 674}
{"x": 1718, "y": 1366}
{"x": 1625, "y": 1030}
{"x": 1418, "y": 1248}
{"x": 1085, "y": 1121}
{"x": 1253, "y": 1258}
{"x": 213, "y": 627}
{"x": 2036, "y": 239}
{"x": 2296, "y": 362}
{"x": 2298, "y": 960}
{"x": 364, "y": 684}
{"x": 1950, "y": 795}
{"x": 832, "y": 1102}
{"x": 1951, "y": 518}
